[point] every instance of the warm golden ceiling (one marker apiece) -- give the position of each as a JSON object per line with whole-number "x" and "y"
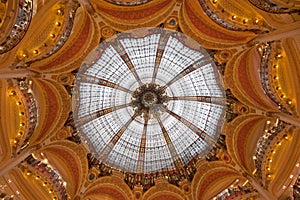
{"x": 255, "y": 46}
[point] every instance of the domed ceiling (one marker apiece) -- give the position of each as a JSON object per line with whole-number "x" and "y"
{"x": 149, "y": 100}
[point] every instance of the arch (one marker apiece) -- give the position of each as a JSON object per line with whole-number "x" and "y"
{"x": 164, "y": 190}
{"x": 242, "y": 78}
{"x": 284, "y": 160}
{"x": 127, "y": 17}
{"x": 211, "y": 179}
{"x": 112, "y": 187}
{"x": 5, "y": 148}
{"x": 200, "y": 27}
{"x": 53, "y": 108}
{"x": 84, "y": 38}
{"x": 242, "y": 144}
{"x": 70, "y": 161}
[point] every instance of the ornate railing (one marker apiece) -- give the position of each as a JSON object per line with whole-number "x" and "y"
{"x": 211, "y": 14}
{"x": 264, "y": 75}
{"x": 145, "y": 180}
{"x": 128, "y": 3}
{"x": 233, "y": 192}
{"x": 49, "y": 174}
{"x": 20, "y": 28}
{"x": 270, "y": 7}
{"x": 272, "y": 131}
{"x": 64, "y": 37}
{"x": 31, "y": 109}
{"x": 296, "y": 188}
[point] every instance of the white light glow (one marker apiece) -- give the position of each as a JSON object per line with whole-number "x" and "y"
{"x": 111, "y": 62}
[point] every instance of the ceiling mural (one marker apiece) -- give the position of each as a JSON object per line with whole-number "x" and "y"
{"x": 149, "y": 99}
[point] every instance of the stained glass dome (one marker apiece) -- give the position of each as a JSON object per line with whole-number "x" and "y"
{"x": 148, "y": 100}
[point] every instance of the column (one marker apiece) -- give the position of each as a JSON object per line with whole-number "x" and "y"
{"x": 263, "y": 192}
{"x": 9, "y": 74}
{"x": 287, "y": 31}
{"x": 288, "y": 118}
{"x": 7, "y": 165}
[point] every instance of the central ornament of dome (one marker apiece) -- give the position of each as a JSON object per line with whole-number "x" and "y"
{"x": 147, "y": 98}
{"x": 148, "y": 101}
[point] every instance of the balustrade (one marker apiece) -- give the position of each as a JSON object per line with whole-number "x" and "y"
{"x": 48, "y": 173}
{"x": 270, "y": 7}
{"x": 20, "y": 27}
{"x": 270, "y": 134}
{"x": 265, "y": 74}
{"x": 32, "y": 111}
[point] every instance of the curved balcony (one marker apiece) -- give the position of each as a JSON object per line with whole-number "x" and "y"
{"x": 65, "y": 36}
{"x": 296, "y": 188}
{"x": 272, "y": 131}
{"x": 210, "y": 12}
{"x": 20, "y": 27}
{"x": 265, "y": 73}
{"x": 49, "y": 174}
{"x": 31, "y": 110}
{"x": 233, "y": 192}
{"x": 270, "y": 7}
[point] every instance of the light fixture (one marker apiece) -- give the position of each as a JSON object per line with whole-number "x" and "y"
{"x": 57, "y": 23}
{"x": 256, "y": 21}
{"x": 233, "y": 17}
{"x": 245, "y": 21}
{"x": 60, "y": 11}
{"x": 283, "y": 187}
{"x": 215, "y": 1}
{"x": 52, "y": 35}
{"x": 35, "y": 51}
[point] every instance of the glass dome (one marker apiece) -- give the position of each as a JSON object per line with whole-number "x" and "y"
{"x": 148, "y": 100}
